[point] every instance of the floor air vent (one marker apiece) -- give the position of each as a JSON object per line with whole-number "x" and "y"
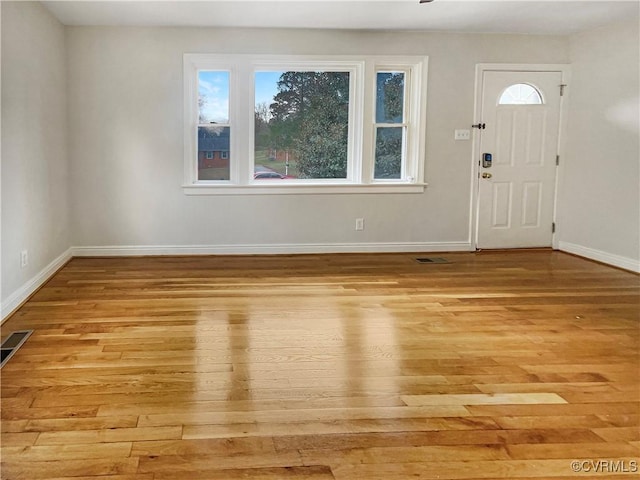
{"x": 432, "y": 260}
{"x": 12, "y": 343}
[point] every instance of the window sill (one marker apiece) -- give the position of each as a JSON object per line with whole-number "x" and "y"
{"x": 280, "y": 189}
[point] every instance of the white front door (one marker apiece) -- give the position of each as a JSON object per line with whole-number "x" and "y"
{"x": 520, "y": 114}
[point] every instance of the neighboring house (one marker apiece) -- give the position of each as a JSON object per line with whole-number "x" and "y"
{"x": 213, "y": 147}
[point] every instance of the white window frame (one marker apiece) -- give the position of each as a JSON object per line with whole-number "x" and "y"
{"x": 413, "y": 121}
{"x": 361, "y": 147}
{"x": 296, "y": 64}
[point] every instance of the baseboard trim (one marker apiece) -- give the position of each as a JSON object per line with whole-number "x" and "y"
{"x": 22, "y": 294}
{"x": 148, "y": 250}
{"x": 600, "y": 256}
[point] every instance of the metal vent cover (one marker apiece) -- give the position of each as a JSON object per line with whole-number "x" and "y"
{"x": 429, "y": 260}
{"x": 12, "y": 343}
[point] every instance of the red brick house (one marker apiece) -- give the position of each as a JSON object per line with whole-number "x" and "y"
{"x": 213, "y": 147}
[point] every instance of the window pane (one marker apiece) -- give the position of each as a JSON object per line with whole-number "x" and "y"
{"x": 520, "y": 94}
{"x": 389, "y": 97}
{"x": 213, "y": 153}
{"x": 213, "y": 97}
{"x": 301, "y": 125}
{"x": 388, "y": 153}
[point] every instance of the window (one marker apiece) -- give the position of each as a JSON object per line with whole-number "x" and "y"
{"x": 520, "y": 94}
{"x": 390, "y": 126}
{"x": 214, "y": 128}
{"x": 301, "y": 126}
{"x": 304, "y": 124}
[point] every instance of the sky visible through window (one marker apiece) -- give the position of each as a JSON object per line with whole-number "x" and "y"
{"x": 266, "y": 86}
{"x": 213, "y": 89}
{"x": 213, "y": 93}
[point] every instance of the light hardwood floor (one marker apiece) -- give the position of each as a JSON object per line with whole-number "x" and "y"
{"x": 498, "y": 365}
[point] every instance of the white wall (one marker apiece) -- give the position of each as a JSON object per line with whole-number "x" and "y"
{"x": 599, "y": 214}
{"x": 126, "y": 146}
{"x": 119, "y": 92}
{"x": 35, "y": 190}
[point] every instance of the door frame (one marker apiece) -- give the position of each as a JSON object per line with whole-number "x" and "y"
{"x": 481, "y": 68}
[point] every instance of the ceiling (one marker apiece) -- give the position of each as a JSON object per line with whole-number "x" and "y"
{"x": 558, "y": 17}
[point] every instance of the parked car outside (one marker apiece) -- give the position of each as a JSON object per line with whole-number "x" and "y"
{"x": 268, "y": 175}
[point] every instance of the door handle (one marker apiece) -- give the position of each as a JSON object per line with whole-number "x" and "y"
{"x": 486, "y": 175}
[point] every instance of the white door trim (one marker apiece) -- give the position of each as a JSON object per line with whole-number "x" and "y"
{"x": 475, "y": 151}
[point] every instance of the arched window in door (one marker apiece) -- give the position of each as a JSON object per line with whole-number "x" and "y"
{"x": 520, "y": 94}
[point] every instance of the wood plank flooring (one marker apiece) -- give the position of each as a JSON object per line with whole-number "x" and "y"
{"x": 505, "y": 365}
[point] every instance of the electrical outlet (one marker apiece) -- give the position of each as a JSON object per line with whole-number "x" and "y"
{"x": 359, "y": 223}
{"x": 24, "y": 258}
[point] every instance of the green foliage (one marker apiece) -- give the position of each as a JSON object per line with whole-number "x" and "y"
{"x": 262, "y": 130}
{"x": 390, "y": 97}
{"x": 309, "y": 117}
{"x": 388, "y": 152}
{"x": 389, "y": 139}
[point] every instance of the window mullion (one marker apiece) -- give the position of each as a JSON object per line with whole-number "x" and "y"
{"x": 242, "y": 108}
{"x": 190, "y": 120}
{"x": 408, "y": 155}
{"x": 417, "y": 120}
{"x": 357, "y": 107}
